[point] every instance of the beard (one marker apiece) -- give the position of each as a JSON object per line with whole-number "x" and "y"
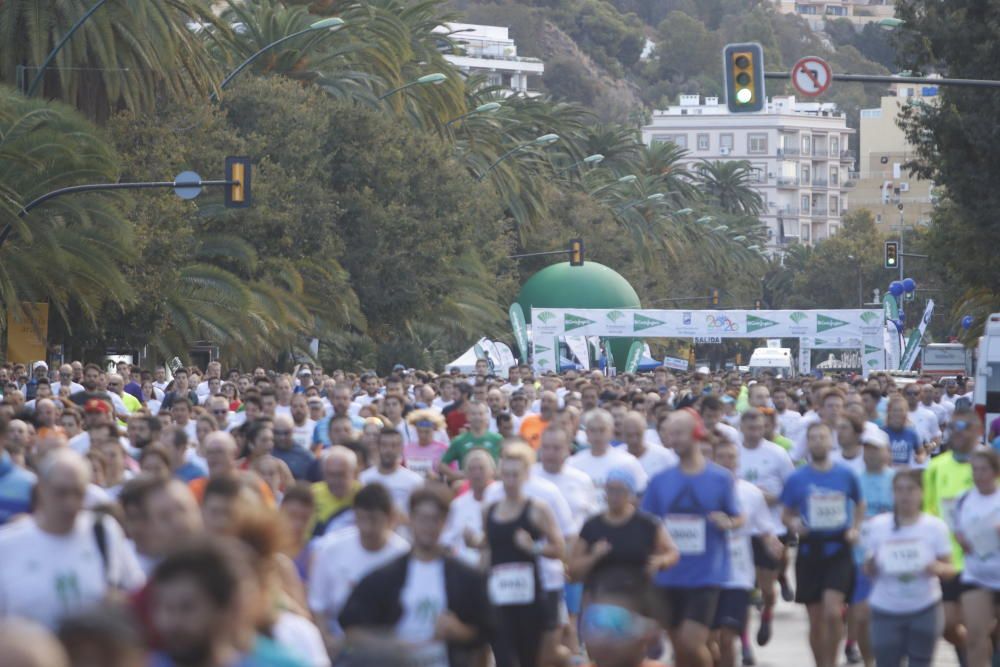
{"x": 194, "y": 652}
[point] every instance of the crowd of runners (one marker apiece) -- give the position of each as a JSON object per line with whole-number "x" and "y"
{"x": 218, "y": 519}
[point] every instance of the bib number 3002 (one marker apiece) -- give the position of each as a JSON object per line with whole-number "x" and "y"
{"x": 827, "y": 511}
{"x": 512, "y": 584}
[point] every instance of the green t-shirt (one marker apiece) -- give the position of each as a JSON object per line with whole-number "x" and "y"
{"x": 466, "y": 442}
{"x": 945, "y": 481}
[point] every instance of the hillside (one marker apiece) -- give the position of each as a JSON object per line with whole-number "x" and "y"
{"x": 594, "y": 49}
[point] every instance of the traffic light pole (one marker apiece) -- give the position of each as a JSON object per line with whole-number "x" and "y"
{"x": 875, "y": 78}
{"x": 92, "y": 187}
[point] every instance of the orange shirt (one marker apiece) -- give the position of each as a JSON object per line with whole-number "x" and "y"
{"x": 197, "y": 487}
{"x": 532, "y": 428}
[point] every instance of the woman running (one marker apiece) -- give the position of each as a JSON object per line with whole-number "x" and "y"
{"x": 977, "y": 529}
{"x": 518, "y": 531}
{"x": 906, "y": 554}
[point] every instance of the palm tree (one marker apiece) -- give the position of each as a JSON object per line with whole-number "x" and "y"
{"x": 125, "y": 55}
{"x": 728, "y": 185}
{"x": 68, "y": 251}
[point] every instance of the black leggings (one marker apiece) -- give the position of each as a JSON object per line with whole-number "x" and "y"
{"x": 520, "y": 629}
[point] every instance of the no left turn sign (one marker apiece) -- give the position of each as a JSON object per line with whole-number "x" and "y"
{"x": 811, "y": 76}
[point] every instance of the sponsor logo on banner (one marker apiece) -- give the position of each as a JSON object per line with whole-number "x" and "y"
{"x": 825, "y": 323}
{"x": 869, "y": 317}
{"x": 675, "y": 363}
{"x": 756, "y": 323}
{"x": 642, "y": 322}
{"x": 618, "y": 324}
{"x": 797, "y": 317}
{"x": 545, "y": 317}
{"x": 541, "y": 348}
{"x": 819, "y": 341}
{"x": 575, "y": 322}
{"x": 615, "y": 315}
{"x": 721, "y": 323}
{"x": 686, "y": 319}
{"x": 543, "y": 362}
{"x": 871, "y": 349}
{"x": 873, "y": 363}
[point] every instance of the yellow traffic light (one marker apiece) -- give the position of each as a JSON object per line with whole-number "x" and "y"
{"x": 576, "y": 252}
{"x": 238, "y": 176}
{"x": 892, "y": 254}
{"x": 713, "y": 296}
{"x": 744, "y": 74}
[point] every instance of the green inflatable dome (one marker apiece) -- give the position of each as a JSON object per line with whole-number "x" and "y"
{"x": 592, "y": 285}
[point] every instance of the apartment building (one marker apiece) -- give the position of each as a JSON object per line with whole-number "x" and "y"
{"x": 489, "y": 51}
{"x": 858, "y": 12}
{"x": 884, "y": 185}
{"x": 798, "y": 152}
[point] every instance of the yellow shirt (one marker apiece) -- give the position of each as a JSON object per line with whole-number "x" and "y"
{"x": 327, "y": 505}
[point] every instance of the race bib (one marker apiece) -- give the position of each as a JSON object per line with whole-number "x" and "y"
{"x": 688, "y": 533}
{"x": 430, "y": 654}
{"x": 423, "y": 467}
{"x": 827, "y": 511}
{"x": 903, "y": 557}
{"x": 740, "y": 556}
{"x": 512, "y": 584}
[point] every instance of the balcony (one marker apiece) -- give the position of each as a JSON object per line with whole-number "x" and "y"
{"x": 789, "y": 152}
{"x": 787, "y": 212}
{"x": 787, "y": 182}
{"x": 819, "y": 212}
{"x": 821, "y": 152}
{"x": 847, "y": 156}
{"x": 820, "y": 183}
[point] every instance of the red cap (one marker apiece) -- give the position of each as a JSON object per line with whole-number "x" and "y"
{"x": 97, "y": 405}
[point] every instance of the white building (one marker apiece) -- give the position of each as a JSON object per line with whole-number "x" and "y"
{"x": 489, "y": 51}
{"x": 798, "y": 152}
{"x": 858, "y": 12}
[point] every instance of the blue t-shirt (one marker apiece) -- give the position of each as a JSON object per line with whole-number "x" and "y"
{"x": 876, "y": 489}
{"x": 191, "y": 470}
{"x": 15, "y": 489}
{"x": 825, "y": 500}
{"x": 685, "y": 501}
{"x": 903, "y": 445}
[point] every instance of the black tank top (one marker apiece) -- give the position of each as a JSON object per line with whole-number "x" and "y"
{"x": 500, "y": 536}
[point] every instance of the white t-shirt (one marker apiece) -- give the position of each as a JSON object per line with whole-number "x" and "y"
{"x": 553, "y": 574}
{"x": 339, "y": 562}
{"x": 901, "y": 586}
{"x": 464, "y": 513}
{"x": 598, "y": 467}
{"x": 423, "y": 599}
{"x": 576, "y": 487}
{"x": 729, "y": 433}
{"x": 656, "y": 459}
{"x": 46, "y": 577}
{"x": 300, "y": 637}
{"x": 926, "y": 424}
{"x": 751, "y": 504}
{"x": 857, "y": 464}
{"x": 789, "y": 423}
{"x": 977, "y": 518}
{"x": 768, "y": 467}
{"x": 302, "y": 435}
{"x": 400, "y": 483}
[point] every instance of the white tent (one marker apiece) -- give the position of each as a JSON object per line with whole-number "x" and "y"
{"x": 498, "y": 354}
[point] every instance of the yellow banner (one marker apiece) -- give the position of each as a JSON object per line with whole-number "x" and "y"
{"x": 24, "y": 344}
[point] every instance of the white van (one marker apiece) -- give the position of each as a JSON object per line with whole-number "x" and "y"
{"x": 777, "y": 360}
{"x": 986, "y": 394}
{"x": 945, "y": 359}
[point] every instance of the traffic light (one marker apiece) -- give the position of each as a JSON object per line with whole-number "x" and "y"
{"x": 713, "y": 296}
{"x": 743, "y": 66}
{"x": 238, "y": 174}
{"x": 576, "y": 252}
{"x": 892, "y": 254}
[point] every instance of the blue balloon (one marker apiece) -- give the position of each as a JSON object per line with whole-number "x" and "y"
{"x": 896, "y": 288}
{"x": 909, "y": 285}
{"x": 967, "y": 322}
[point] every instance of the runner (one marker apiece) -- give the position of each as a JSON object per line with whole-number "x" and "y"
{"x": 600, "y": 458}
{"x": 390, "y": 473}
{"x": 653, "y": 457}
{"x": 697, "y": 502}
{"x": 464, "y": 532}
{"x": 905, "y": 554}
{"x": 477, "y": 436}
{"x": 823, "y": 507}
{"x": 767, "y": 466}
{"x": 977, "y": 529}
{"x": 947, "y": 478}
{"x": 906, "y": 444}
{"x": 514, "y": 528}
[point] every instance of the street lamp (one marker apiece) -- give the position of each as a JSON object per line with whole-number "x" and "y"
{"x": 684, "y": 211}
{"x": 720, "y": 228}
{"x": 427, "y": 79}
{"x": 740, "y": 238}
{"x": 543, "y": 140}
{"x": 629, "y": 178}
{"x": 62, "y": 42}
{"x": 890, "y": 23}
{"x": 330, "y": 24}
{"x": 656, "y": 196}
{"x": 596, "y": 158}
{"x": 488, "y": 107}
{"x": 705, "y": 220}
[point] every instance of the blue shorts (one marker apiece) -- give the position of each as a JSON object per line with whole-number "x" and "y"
{"x": 573, "y": 595}
{"x": 862, "y": 587}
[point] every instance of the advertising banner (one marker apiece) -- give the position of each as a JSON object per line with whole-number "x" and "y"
{"x": 634, "y": 355}
{"x": 520, "y": 328}
{"x": 545, "y": 355}
{"x": 578, "y": 346}
{"x": 913, "y": 344}
{"x": 24, "y": 344}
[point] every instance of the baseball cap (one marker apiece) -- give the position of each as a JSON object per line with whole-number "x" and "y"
{"x": 874, "y": 436}
{"x": 96, "y": 405}
{"x": 305, "y": 371}
{"x": 399, "y": 367}
{"x": 41, "y": 364}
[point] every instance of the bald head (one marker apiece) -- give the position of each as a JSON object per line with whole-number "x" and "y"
{"x": 339, "y": 467}
{"x": 679, "y": 433}
{"x": 220, "y": 453}
{"x": 64, "y": 464}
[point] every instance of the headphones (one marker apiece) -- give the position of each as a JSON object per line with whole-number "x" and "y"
{"x": 698, "y": 431}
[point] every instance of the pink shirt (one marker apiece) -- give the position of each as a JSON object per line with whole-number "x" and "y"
{"x": 422, "y": 460}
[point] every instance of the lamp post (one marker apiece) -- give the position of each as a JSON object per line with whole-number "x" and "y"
{"x": 62, "y": 42}
{"x": 629, "y": 178}
{"x": 428, "y": 79}
{"x": 543, "y": 140}
{"x": 488, "y": 107}
{"x": 596, "y": 158}
{"x": 656, "y": 196}
{"x": 330, "y": 24}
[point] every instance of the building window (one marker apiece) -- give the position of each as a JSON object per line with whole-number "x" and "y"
{"x": 806, "y": 144}
{"x": 680, "y": 140}
{"x": 834, "y": 205}
{"x": 758, "y": 172}
{"x": 834, "y": 146}
{"x": 805, "y": 203}
{"x": 834, "y": 176}
{"x": 805, "y": 175}
{"x": 757, "y": 144}
{"x": 703, "y": 142}
{"x": 725, "y": 143}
